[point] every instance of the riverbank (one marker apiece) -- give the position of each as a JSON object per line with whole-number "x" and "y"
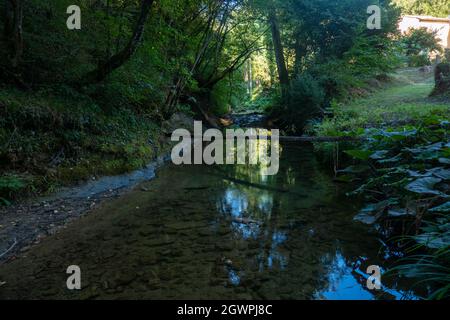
{"x": 64, "y": 155}
{"x": 50, "y": 140}
{"x": 402, "y": 170}
{"x": 27, "y": 223}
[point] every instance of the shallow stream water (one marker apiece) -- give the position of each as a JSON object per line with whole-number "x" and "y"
{"x": 199, "y": 232}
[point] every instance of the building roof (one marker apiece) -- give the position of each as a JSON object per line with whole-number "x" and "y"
{"x": 429, "y": 18}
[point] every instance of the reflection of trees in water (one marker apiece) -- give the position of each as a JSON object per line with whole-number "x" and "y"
{"x": 299, "y": 243}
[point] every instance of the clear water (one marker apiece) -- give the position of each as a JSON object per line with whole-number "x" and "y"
{"x": 197, "y": 232}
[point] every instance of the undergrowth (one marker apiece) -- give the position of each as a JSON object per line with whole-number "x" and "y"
{"x": 49, "y": 139}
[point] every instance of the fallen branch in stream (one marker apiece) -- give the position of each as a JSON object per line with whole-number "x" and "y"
{"x": 10, "y": 248}
{"x": 321, "y": 139}
{"x": 255, "y": 185}
{"x": 302, "y": 139}
{"x": 246, "y": 221}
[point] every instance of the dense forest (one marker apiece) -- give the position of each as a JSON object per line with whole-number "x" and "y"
{"x": 81, "y": 101}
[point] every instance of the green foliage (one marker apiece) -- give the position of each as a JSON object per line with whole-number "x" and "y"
{"x": 402, "y": 170}
{"x": 359, "y": 154}
{"x": 9, "y": 185}
{"x": 447, "y": 55}
{"x": 306, "y": 96}
{"x": 227, "y": 95}
{"x": 327, "y": 41}
{"x": 418, "y": 44}
{"x": 437, "y": 8}
{"x": 263, "y": 100}
{"x": 408, "y": 172}
{"x": 58, "y": 137}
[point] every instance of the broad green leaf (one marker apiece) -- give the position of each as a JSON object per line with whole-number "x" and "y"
{"x": 424, "y": 186}
{"x": 372, "y": 212}
{"x": 359, "y": 154}
{"x": 442, "y": 174}
{"x": 445, "y": 208}
{"x": 395, "y": 159}
{"x": 434, "y": 240}
{"x": 379, "y": 155}
{"x": 355, "y": 169}
{"x": 430, "y": 148}
{"x": 400, "y": 213}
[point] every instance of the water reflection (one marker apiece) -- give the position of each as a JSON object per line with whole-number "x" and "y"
{"x": 214, "y": 233}
{"x": 280, "y": 228}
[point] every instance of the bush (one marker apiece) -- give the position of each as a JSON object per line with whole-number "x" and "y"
{"x": 418, "y": 44}
{"x": 447, "y": 55}
{"x": 418, "y": 60}
{"x": 306, "y": 97}
{"x": 9, "y": 186}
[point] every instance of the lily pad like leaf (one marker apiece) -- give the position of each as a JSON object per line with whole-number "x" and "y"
{"x": 416, "y": 174}
{"x": 430, "y": 148}
{"x": 355, "y": 169}
{"x": 397, "y": 158}
{"x": 372, "y": 212}
{"x": 359, "y": 154}
{"x": 365, "y": 218}
{"x": 424, "y": 186}
{"x": 445, "y": 208}
{"x": 395, "y": 213}
{"x": 434, "y": 240}
{"x": 442, "y": 174}
{"x": 379, "y": 155}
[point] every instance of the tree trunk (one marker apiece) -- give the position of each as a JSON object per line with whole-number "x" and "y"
{"x": 13, "y": 30}
{"x": 442, "y": 80}
{"x": 8, "y": 16}
{"x": 299, "y": 53}
{"x": 123, "y": 56}
{"x": 250, "y": 77}
{"x": 279, "y": 54}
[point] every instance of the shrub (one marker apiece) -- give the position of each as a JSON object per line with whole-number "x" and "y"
{"x": 418, "y": 60}
{"x": 10, "y": 185}
{"x": 306, "y": 97}
{"x": 418, "y": 44}
{"x": 447, "y": 55}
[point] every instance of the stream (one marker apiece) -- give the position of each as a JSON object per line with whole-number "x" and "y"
{"x": 195, "y": 232}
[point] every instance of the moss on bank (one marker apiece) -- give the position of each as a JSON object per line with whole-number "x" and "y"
{"x": 52, "y": 138}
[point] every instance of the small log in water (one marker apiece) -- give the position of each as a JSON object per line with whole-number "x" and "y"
{"x": 321, "y": 139}
{"x": 303, "y": 138}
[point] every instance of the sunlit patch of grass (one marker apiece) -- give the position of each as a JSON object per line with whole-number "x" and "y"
{"x": 396, "y": 106}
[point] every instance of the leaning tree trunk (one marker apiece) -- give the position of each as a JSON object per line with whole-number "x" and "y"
{"x": 279, "y": 54}
{"x": 442, "y": 80}
{"x": 123, "y": 56}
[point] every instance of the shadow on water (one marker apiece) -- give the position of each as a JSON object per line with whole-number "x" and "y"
{"x": 197, "y": 233}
